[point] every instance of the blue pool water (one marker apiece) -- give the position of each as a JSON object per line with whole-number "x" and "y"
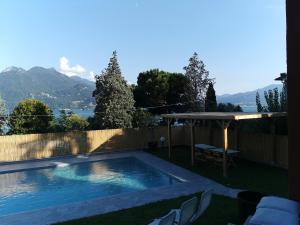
{"x": 41, "y": 188}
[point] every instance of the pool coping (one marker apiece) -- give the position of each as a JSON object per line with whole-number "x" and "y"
{"x": 191, "y": 184}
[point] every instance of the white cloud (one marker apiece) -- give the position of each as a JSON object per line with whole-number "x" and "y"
{"x": 92, "y": 75}
{"x": 66, "y": 68}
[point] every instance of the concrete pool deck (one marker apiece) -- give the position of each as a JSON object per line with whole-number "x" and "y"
{"x": 191, "y": 183}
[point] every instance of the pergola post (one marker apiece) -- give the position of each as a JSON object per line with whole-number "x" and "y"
{"x": 192, "y": 127}
{"x": 169, "y": 137}
{"x": 224, "y": 125}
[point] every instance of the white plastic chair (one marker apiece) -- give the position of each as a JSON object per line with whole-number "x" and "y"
{"x": 203, "y": 205}
{"x": 168, "y": 219}
{"x": 185, "y": 212}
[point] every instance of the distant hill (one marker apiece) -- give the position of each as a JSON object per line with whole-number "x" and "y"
{"x": 61, "y": 91}
{"x": 48, "y": 85}
{"x": 247, "y": 99}
{"x": 82, "y": 80}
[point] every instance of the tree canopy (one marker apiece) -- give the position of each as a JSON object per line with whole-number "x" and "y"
{"x": 162, "y": 91}
{"x": 114, "y": 98}
{"x": 31, "y": 116}
{"x": 70, "y": 121}
{"x": 177, "y": 95}
{"x": 151, "y": 90}
{"x": 228, "y": 107}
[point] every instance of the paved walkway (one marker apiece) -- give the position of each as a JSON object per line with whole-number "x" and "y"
{"x": 191, "y": 183}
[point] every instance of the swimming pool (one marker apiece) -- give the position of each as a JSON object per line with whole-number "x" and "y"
{"x": 41, "y": 188}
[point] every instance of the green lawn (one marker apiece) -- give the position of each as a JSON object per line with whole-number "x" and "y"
{"x": 221, "y": 211}
{"x": 246, "y": 175}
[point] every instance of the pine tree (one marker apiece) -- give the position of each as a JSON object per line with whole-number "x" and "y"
{"x": 210, "y": 99}
{"x": 114, "y": 98}
{"x": 198, "y": 77}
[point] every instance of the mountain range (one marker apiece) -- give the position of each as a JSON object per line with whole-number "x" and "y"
{"x": 61, "y": 91}
{"x": 247, "y": 100}
{"x": 48, "y": 85}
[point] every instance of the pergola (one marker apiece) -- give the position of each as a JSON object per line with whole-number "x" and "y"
{"x": 223, "y": 119}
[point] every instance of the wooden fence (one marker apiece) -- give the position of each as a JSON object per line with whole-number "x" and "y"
{"x": 257, "y": 147}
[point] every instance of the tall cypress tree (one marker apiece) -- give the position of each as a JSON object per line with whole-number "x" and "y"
{"x": 259, "y": 106}
{"x": 210, "y": 99}
{"x": 198, "y": 77}
{"x": 114, "y": 98}
{"x": 283, "y": 97}
{"x": 272, "y": 99}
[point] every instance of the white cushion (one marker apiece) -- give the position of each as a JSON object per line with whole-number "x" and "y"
{"x": 204, "y": 146}
{"x": 265, "y": 216}
{"x": 284, "y": 204}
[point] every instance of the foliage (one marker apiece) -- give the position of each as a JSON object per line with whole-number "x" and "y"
{"x": 70, "y": 121}
{"x": 272, "y": 99}
{"x": 31, "y": 116}
{"x": 198, "y": 77}
{"x": 151, "y": 91}
{"x": 284, "y": 98}
{"x": 276, "y": 102}
{"x": 141, "y": 118}
{"x": 210, "y": 99}
{"x": 259, "y": 106}
{"x": 3, "y": 118}
{"x": 162, "y": 92}
{"x": 114, "y": 98}
{"x": 228, "y": 107}
{"x": 177, "y": 96}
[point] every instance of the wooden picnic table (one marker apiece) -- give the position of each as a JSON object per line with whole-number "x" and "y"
{"x": 215, "y": 154}
{"x": 223, "y": 119}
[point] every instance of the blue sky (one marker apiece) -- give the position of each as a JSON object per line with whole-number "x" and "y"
{"x": 242, "y": 42}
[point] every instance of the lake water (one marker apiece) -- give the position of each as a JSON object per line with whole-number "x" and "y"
{"x": 84, "y": 113}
